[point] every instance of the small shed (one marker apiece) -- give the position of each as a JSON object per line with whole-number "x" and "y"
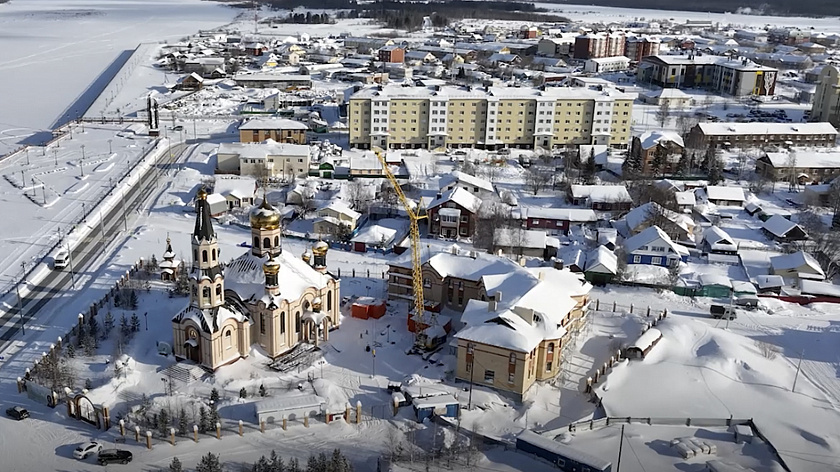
{"x": 564, "y": 457}
{"x": 440, "y": 405}
{"x": 218, "y": 204}
{"x": 368, "y": 307}
{"x": 715, "y": 285}
{"x": 769, "y": 283}
{"x": 291, "y": 407}
{"x": 643, "y": 345}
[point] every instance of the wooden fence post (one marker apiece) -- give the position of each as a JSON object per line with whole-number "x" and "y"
{"x": 358, "y": 412}
{"x": 172, "y": 436}
{"x": 195, "y": 433}
{"x": 241, "y": 424}
{"x": 148, "y": 439}
{"x": 306, "y": 421}
{"x": 122, "y": 428}
{"x": 285, "y": 424}
{"x": 262, "y": 426}
{"x": 137, "y": 433}
{"x": 218, "y": 430}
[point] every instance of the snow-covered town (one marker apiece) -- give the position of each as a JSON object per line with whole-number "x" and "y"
{"x": 532, "y": 237}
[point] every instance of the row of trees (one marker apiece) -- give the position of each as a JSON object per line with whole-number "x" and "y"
{"x": 335, "y": 462}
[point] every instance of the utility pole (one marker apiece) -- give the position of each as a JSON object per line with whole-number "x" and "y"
{"x": 125, "y": 218}
{"x": 72, "y": 274}
{"x": 798, "y": 366}
{"x": 20, "y": 301}
{"x": 471, "y": 353}
{"x": 373, "y": 359}
{"x": 102, "y": 225}
{"x": 620, "y": 444}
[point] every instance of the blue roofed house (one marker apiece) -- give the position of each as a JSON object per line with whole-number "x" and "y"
{"x": 653, "y": 247}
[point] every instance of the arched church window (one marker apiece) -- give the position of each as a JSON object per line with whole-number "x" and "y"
{"x": 228, "y": 339}
{"x": 277, "y": 241}
{"x": 256, "y": 242}
{"x": 205, "y": 292}
{"x": 195, "y": 254}
{"x": 219, "y": 290}
{"x": 262, "y": 323}
{"x": 297, "y": 322}
{"x": 267, "y": 243}
{"x": 282, "y": 322}
{"x": 213, "y": 253}
{"x": 204, "y": 255}
{"x": 329, "y": 301}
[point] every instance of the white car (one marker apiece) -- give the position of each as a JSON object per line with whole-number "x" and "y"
{"x": 87, "y": 449}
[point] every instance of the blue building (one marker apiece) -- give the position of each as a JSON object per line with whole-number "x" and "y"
{"x": 566, "y": 458}
{"x": 439, "y": 405}
{"x": 653, "y": 247}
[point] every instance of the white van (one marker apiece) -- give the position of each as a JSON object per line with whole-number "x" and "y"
{"x": 60, "y": 259}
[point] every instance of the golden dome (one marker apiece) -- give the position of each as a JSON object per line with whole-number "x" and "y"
{"x": 202, "y": 194}
{"x": 265, "y": 217}
{"x": 316, "y": 304}
{"x": 271, "y": 267}
{"x": 320, "y": 248}
{"x": 305, "y": 256}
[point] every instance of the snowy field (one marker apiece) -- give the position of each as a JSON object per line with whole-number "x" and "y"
{"x": 53, "y": 50}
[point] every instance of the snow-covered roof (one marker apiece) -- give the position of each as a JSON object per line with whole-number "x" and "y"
{"x": 384, "y": 230}
{"x": 804, "y": 159}
{"x": 458, "y": 176}
{"x": 601, "y": 193}
{"x": 575, "y": 215}
{"x": 718, "y": 239}
{"x": 672, "y": 93}
{"x": 285, "y": 403}
{"x": 814, "y": 287}
{"x": 340, "y": 206}
{"x": 601, "y": 260}
{"x": 239, "y": 187}
{"x": 650, "y": 139}
{"x": 272, "y": 123}
{"x": 778, "y": 225}
{"x": 714, "y": 279}
{"x": 563, "y": 450}
{"x": 740, "y": 129}
{"x": 463, "y": 198}
{"x": 647, "y": 339}
{"x": 519, "y": 238}
{"x": 647, "y": 236}
{"x": 573, "y": 255}
{"x": 796, "y": 260}
{"x": 769, "y": 281}
{"x": 244, "y": 275}
{"x": 397, "y": 91}
{"x": 685, "y": 198}
{"x": 438, "y": 401}
{"x": 263, "y": 150}
{"x": 638, "y": 216}
{"x": 720, "y": 192}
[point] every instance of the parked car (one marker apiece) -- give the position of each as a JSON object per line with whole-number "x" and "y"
{"x": 723, "y": 312}
{"x": 60, "y": 259}
{"x": 17, "y": 413}
{"x": 109, "y": 456}
{"x": 86, "y": 449}
{"x": 747, "y": 301}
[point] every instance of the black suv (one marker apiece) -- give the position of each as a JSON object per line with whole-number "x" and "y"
{"x": 109, "y": 456}
{"x": 17, "y": 413}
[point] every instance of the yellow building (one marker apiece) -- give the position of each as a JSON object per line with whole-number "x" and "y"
{"x": 409, "y": 117}
{"x": 264, "y": 296}
{"x": 281, "y": 130}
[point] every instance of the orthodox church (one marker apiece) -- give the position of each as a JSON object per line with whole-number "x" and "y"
{"x": 264, "y": 297}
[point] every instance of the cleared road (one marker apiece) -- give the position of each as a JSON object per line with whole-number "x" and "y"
{"x": 88, "y": 248}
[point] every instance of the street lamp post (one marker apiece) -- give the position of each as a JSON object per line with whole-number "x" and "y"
{"x": 27, "y": 155}
{"x": 20, "y": 300}
{"x": 82, "y": 162}
{"x": 146, "y": 317}
{"x": 55, "y": 154}
{"x": 84, "y": 213}
{"x": 109, "y": 146}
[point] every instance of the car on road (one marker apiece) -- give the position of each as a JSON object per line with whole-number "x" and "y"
{"x": 110, "y": 456}
{"x": 60, "y": 259}
{"x": 17, "y": 413}
{"x": 723, "y": 312}
{"x": 86, "y": 449}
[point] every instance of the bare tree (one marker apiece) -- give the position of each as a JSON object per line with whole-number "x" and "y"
{"x": 663, "y": 113}
{"x": 357, "y": 195}
{"x": 307, "y": 202}
{"x": 823, "y": 244}
{"x": 536, "y": 179}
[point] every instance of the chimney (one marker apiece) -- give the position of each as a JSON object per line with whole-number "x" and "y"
{"x": 558, "y": 263}
{"x": 498, "y": 296}
{"x": 522, "y": 261}
{"x": 438, "y": 195}
{"x": 454, "y": 250}
{"x": 491, "y": 306}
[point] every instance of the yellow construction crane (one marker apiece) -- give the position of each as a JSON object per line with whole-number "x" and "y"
{"x": 416, "y": 262}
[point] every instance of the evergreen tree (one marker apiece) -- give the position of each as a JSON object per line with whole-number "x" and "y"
{"x": 182, "y": 282}
{"x": 153, "y": 264}
{"x": 275, "y": 463}
{"x": 243, "y": 393}
{"x": 93, "y": 327}
{"x": 182, "y": 422}
{"x": 338, "y": 462}
{"x": 88, "y": 384}
{"x": 262, "y": 465}
{"x": 683, "y": 164}
{"x": 213, "y": 417}
{"x": 125, "y": 329}
{"x": 70, "y": 350}
{"x": 175, "y": 465}
{"x": 715, "y": 171}
{"x": 163, "y": 422}
{"x": 203, "y": 420}
{"x": 132, "y": 300}
{"x": 214, "y": 396}
{"x": 660, "y": 159}
{"x": 209, "y": 463}
{"x": 262, "y": 390}
{"x": 107, "y": 325}
{"x": 135, "y": 322}
{"x": 312, "y": 465}
{"x": 293, "y": 466}
{"x": 322, "y": 462}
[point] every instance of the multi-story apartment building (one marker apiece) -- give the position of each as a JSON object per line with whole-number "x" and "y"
{"x": 718, "y": 73}
{"x": 595, "y": 45}
{"x": 637, "y": 47}
{"x": 751, "y": 135}
{"x": 827, "y": 97}
{"x": 407, "y": 117}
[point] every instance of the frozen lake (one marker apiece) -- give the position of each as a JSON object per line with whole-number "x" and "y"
{"x": 52, "y": 50}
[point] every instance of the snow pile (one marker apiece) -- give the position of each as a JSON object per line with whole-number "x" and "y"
{"x": 337, "y": 400}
